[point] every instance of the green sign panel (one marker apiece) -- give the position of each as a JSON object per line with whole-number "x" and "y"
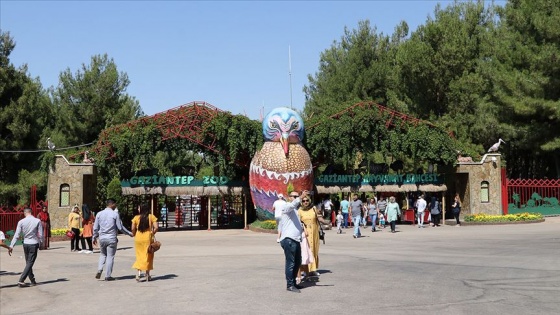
{"x": 378, "y": 179}
{"x": 174, "y": 181}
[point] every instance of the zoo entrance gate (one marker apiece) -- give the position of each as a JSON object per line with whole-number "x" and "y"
{"x": 530, "y": 195}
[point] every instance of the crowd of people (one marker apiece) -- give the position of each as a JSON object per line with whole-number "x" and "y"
{"x": 298, "y": 222}
{"x": 100, "y": 230}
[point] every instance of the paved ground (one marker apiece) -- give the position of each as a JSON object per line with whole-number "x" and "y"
{"x": 511, "y": 269}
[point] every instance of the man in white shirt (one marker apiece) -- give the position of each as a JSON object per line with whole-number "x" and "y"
{"x": 277, "y": 207}
{"x": 290, "y": 240}
{"x": 421, "y": 207}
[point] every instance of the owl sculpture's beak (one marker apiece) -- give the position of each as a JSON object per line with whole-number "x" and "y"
{"x": 285, "y": 141}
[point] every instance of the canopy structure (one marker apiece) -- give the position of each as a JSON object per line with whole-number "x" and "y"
{"x": 432, "y": 188}
{"x": 396, "y": 188}
{"x": 185, "y": 190}
{"x": 380, "y": 188}
{"x": 335, "y": 189}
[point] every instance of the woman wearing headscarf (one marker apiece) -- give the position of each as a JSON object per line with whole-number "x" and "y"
{"x": 144, "y": 227}
{"x": 393, "y": 211}
{"x": 310, "y": 217}
{"x": 46, "y": 223}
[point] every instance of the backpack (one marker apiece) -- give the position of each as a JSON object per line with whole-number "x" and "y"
{"x": 436, "y": 208}
{"x": 86, "y": 213}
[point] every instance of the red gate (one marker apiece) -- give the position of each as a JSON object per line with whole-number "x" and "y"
{"x": 530, "y": 195}
{"x": 10, "y": 215}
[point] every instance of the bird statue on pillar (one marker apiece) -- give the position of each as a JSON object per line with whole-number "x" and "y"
{"x": 50, "y": 144}
{"x": 282, "y": 162}
{"x": 496, "y": 146}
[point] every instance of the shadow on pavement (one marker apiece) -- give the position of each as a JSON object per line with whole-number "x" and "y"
{"x": 9, "y": 273}
{"x": 38, "y": 283}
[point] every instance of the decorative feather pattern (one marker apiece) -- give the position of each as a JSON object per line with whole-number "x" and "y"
{"x": 280, "y": 162}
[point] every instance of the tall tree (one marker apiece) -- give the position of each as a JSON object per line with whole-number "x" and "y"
{"x": 25, "y": 111}
{"x": 358, "y": 67}
{"x": 442, "y": 69}
{"x": 527, "y": 87}
{"x": 91, "y": 100}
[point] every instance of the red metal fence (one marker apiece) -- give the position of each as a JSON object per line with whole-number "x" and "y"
{"x": 530, "y": 195}
{"x": 10, "y": 215}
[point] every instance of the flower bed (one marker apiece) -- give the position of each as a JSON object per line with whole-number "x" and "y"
{"x": 268, "y": 226}
{"x": 482, "y": 218}
{"x": 59, "y": 235}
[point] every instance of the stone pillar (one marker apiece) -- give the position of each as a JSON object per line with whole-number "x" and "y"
{"x": 478, "y": 173}
{"x": 75, "y": 183}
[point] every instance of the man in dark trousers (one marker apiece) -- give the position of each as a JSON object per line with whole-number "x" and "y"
{"x": 290, "y": 240}
{"x": 32, "y": 230}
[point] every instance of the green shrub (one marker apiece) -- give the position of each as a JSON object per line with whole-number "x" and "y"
{"x": 266, "y": 225}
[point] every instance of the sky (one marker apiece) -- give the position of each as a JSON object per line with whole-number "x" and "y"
{"x": 235, "y": 55}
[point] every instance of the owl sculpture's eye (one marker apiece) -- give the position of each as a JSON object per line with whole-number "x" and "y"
{"x": 295, "y": 125}
{"x": 274, "y": 125}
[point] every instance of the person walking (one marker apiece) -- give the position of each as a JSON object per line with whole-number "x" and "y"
{"x": 356, "y": 207}
{"x": 344, "y": 207}
{"x": 435, "y": 210}
{"x": 2, "y": 244}
{"x": 373, "y": 213}
{"x": 420, "y": 208}
{"x": 277, "y": 207}
{"x": 107, "y": 223}
{"x": 339, "y": 219}
{"x": 144, "y": 228}
{"x": 46, "y": 223}
{"x": 32, "y": 231}
{"x": 381, "y": 206}
{"x": 290, "y": 240}
{"x": 87, "y": 231}
{"x": 456, "y": 208}
{"x": 392, "y": 212}
{"x": 74, "y": 225}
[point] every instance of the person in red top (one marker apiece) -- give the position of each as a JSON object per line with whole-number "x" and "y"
{"x": 46, "y": 224}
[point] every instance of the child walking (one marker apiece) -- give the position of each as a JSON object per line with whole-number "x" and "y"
{"x": 339, "y": 219}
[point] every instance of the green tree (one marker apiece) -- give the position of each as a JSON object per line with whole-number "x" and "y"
{"x": 359, "y": 67}
{"x": 442, "y": 70}
{"x": 25, "y": 112}
{"x": 527, "y": 86}
{"x": 92, "y": 99}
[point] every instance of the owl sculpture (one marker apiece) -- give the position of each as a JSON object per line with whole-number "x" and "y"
{"x": 281, "y": 162}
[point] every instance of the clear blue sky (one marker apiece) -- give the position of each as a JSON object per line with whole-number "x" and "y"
{"x": 233, "y": 55}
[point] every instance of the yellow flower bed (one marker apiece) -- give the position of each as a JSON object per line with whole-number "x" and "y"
{"x": 59, "y": 232}
{"x": 483, "y": 217}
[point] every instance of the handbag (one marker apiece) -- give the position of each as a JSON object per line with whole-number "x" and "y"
{"x": 321, "y": 232}
{"x": 155, "y": 244}
{"x": 70, "y": 233}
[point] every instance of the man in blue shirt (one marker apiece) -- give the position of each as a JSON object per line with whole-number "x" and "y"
{"x": 32, "y": 231}
{"x": 107, "y": 223}
{"x": 344, "y": 205}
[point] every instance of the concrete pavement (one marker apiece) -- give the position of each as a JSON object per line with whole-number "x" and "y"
{"x": 506, "y": 269}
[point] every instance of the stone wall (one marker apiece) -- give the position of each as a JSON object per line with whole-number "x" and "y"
{"x": 488, "y": 169}
{"x": 82, "y": 179}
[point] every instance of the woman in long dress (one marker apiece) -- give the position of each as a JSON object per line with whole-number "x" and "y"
{"x": 144, "y": 227}
{"x": 46, "y": 223}
{"x": 309, "y": 215}
{"x": 306, "y": 254}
